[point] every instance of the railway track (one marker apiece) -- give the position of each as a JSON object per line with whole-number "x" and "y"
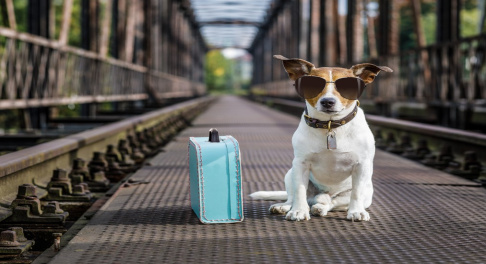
{"x": 45, "y": 188}
{"x": 418, "y": 214}
{"x": 454, "y": 151}
{"x": 34, "y": 196}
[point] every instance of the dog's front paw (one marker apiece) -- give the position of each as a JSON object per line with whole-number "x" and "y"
{"x": 280, "y": 208}
{"x": 320, "y": 209}
{"x": 358, "y": 216}
{"x": 298, "y": 215}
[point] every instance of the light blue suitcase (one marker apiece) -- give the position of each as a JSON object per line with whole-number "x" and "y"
{"x": 215, "y": 178}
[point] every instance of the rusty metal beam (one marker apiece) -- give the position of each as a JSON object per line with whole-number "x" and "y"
{"x": 11, "y": 14}
{"x": 98, "y": 65}
{"x": 56, "y": 45}
{"x": 130, "y": 29}
{"x": 105, "y": 29}
{"x": 30, "y": 103}
{"x": 264, "y": 27}
{"x": 314, "y": 32}
{"x": 66, "y": 21}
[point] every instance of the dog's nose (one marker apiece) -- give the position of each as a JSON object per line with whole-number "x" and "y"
{"x": 328, "y": 102}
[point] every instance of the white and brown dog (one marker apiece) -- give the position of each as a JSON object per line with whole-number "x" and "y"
{"x": 333, "y": 145}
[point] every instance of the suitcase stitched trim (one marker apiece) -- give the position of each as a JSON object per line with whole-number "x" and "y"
{"x": 238, "y": 179}
{"x": 238, "y": 173}
{"x": 191, "y": 142}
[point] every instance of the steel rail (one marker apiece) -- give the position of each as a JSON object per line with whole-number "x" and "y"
{"x": 409, "y": 126}
{"x": 436, "y": 136}
{"x": 429, "y": 130}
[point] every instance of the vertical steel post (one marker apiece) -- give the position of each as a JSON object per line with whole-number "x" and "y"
{"x": 37, "y": 24}
{"x": 384, "y": 27}
{"x": 314, "y": 31}
{"x": 350, "y": 36}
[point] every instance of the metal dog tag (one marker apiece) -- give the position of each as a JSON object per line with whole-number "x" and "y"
{"x": 331, "y": 140}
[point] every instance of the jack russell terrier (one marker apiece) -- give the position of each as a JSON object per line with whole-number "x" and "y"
{"x": 333, "y": 145}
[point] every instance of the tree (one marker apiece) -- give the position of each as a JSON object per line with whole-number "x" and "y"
{"x": 218, "y": 72}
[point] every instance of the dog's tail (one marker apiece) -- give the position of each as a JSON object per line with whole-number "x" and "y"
{"x": 272, "y": 195}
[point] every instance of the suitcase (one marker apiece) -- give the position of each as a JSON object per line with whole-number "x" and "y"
{"x": 215, "y": 178}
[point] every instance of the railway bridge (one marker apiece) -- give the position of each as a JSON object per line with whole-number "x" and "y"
{"x": 98, "y": 100}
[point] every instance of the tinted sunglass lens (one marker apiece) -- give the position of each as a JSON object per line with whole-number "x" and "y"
{"x": 350, "y": 88}
{"x": 309, "y": 86}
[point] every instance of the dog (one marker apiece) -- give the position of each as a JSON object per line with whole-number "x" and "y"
{"x": 333, "y": 144}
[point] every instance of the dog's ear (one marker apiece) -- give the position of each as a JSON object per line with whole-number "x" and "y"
{"x": 295, "y": 68}
{"x": 367, "y": 71}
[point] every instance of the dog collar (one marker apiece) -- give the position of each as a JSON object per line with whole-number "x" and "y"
{"x": 330, "y": 124}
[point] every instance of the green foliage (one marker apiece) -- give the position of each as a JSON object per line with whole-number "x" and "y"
{"x": 70, "y": 110}
{"x": 10, "y": 120}
{"x": 407, "y": 35}
{"x": 469, "y": 4}
{"x": 74, "y": 38}
{"x": 429, "y": 24}
{"x": 20, "y": 10}
{"x": 469, "y": 22}
{"x": 218, "y": 72}
{"x": 75, "y": 27}
{"x": 408, "y": 38}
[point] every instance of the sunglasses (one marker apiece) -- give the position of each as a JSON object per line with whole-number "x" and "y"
{"x": 310, "y": 86}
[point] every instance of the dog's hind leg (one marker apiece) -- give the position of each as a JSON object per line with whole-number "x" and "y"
{"x": 340, "y": 202}
{"x": 283, "y": 208}
{"x": 321, "y": 204}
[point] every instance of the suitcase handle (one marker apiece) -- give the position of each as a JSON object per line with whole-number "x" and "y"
{"x": 213, "y": 135}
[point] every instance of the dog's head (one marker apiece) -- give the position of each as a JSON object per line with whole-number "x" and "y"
{"x": 330, "y": 101}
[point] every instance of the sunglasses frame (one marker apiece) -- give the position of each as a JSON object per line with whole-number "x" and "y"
{"x": 360, "y": 92}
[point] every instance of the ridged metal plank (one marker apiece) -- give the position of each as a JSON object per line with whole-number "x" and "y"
{"x": 414, "y": 218}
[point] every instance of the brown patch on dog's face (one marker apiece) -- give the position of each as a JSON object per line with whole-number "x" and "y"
{"x": 331, "y": 74}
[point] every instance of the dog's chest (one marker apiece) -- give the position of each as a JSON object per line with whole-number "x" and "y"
{"x": 328, "y": 167}
{"x": 332, "y": 165}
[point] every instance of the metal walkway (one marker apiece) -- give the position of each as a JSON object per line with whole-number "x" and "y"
{"x": 419, "y": 215}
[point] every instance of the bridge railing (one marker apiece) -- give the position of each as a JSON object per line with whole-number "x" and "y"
{"x": 35, "y": 71}
{"x": 437, "y": 74}
{"x": 446, "y": 73}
